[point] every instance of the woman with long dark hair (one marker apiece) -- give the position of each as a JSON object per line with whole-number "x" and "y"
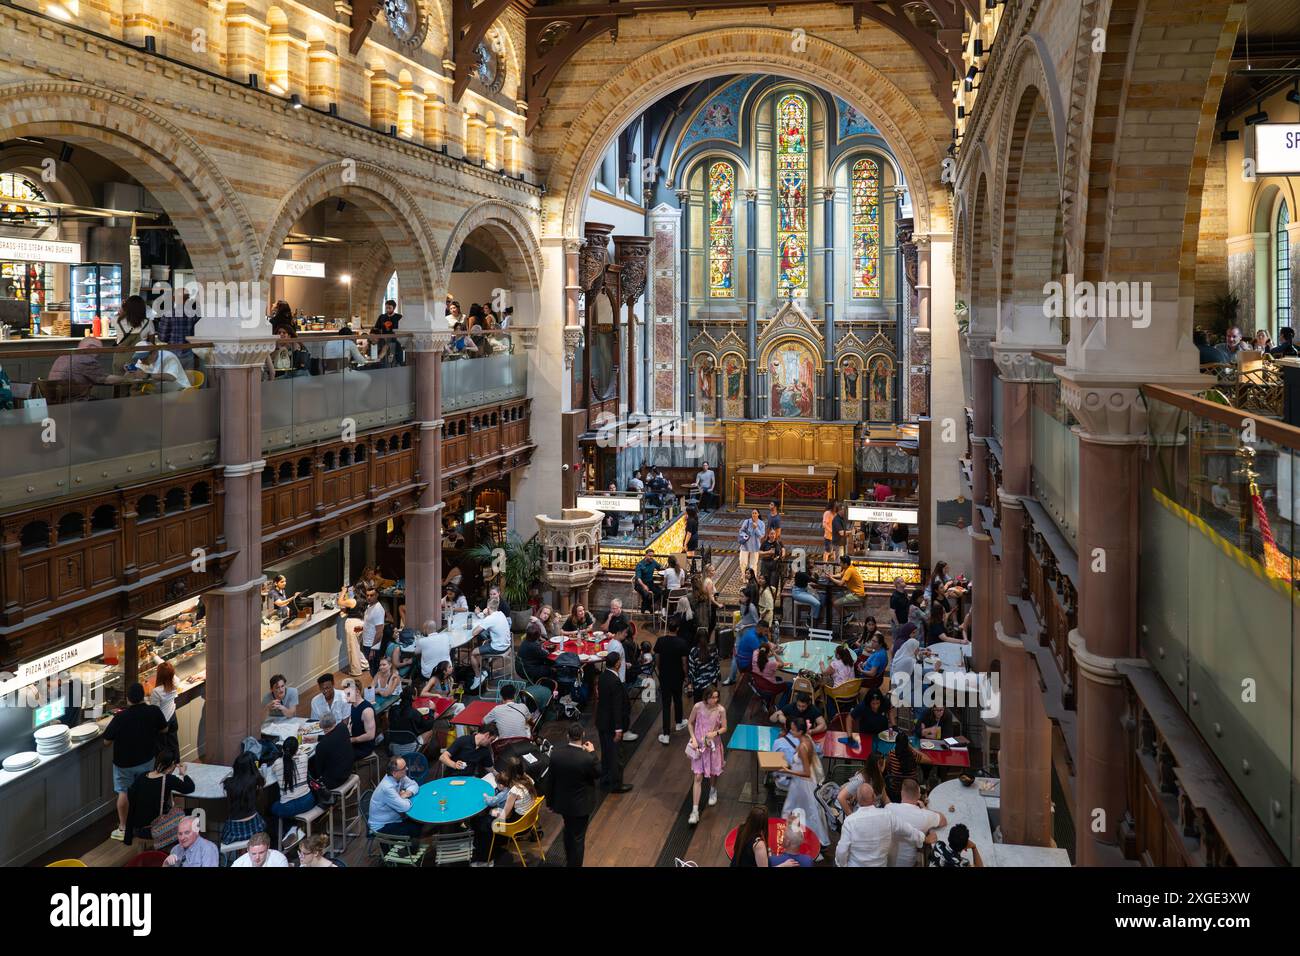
{"x": 408, "y": 729}
{"x": 243, "y": 788}
{"x": 900, "y": 766}
{"x": 751, "y": 840}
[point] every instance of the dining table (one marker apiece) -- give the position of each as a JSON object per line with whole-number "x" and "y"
{"x": 810, "y": 655}
{"x": 930, "y": 752}
{"x": 449, "y": 800}
{"x": 589, "y": 649}
{"x": 810, "y": 846}
{"x": 473, "y": 715}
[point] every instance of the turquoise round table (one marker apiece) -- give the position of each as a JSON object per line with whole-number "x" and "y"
{"x": 463, "y": 796}
{"x": 807, "y": 655}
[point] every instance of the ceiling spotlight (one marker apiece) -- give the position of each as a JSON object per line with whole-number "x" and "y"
{"x": 252, "y": 80}
{"x": 979, "y": 47}
{"x": 973, "y": 72}
{"x": 151, "y": 44}
{"x": 345, "y": 279}
{"x": 1254, "y": 119}
{"x": 341, "y": 205}
{"x": 65, "y": 153}
{"x": 961, "y": 112}
{"x": 1228, "y": 135}
{"x": 295, "y": 101}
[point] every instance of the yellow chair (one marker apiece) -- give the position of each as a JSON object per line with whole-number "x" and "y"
{"x": 845, "y": 694}
{"x": 65, "y": 863}
{"x": 511, "y": 831}
{"x": 196, "y": 379}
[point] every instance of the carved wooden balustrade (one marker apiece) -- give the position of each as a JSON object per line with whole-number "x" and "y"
{"x": 314, "y": 494}
{"x": 485, "y": 443}
{"x": 73, "y": 568}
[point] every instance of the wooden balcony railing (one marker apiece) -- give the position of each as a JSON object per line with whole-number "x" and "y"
{"x": 75, "y": 567}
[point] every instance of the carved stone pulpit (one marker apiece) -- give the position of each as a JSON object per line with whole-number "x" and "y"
{"x": 571, "y": 552}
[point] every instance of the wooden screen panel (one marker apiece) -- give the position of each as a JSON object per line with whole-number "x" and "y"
{"x": 69, "y": 575}
{"x": 103, "y": 562}
{"x": 36, "y": 580}
{"x": 147, "y": 548}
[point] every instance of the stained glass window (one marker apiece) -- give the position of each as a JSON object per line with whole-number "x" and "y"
{"x": 866, "y": 229}
{"x": 792, "y": 195}
{"x": 1283, "y": 245}
{"x": 722, "y": 205}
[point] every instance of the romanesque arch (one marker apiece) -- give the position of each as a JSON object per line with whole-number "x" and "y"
{"x": 700, "y": 56}
{"x": 518, "y": 247}
{"x": 388, "y": 204}
{"x": 216, "y": 229}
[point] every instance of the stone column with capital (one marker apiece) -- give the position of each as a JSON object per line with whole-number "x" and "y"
{"x": 233, "y": 683}
{"x": 983, "y": 601}
{"x": 751, "y": 301}
{"x": 828, "y": 305}
{"x": 1112, "y": 427}
{"x": 1025, "y": 760}
{"x": 684, "y": 271}
{"x": 424, "y": 524}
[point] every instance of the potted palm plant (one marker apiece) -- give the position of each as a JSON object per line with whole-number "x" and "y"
{"x": 520, "y": 564}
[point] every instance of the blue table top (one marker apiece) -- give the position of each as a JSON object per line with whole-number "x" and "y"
{"x": 464, "y": 796}
{"x": 756, "y": 737}
{"x": 807, "y": 655}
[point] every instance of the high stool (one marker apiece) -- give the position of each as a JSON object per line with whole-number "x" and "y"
{"x": 351, "y": 788}
{"x": 304, "y": 819}
{"x": 802, "y": 615}
{"x": 371, "y": 762}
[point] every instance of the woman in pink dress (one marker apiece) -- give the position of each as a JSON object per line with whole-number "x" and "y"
{"x": 708, "y": 722}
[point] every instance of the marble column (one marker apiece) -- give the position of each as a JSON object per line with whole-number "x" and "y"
{"x": 1026, "y": 755}
{"x": 424, "y": 524}
{"x": 751, "y": 302}
{"x": 685, "y": 377}
{"x": 828, "y": 305}
{"x": 984, "y": 597}
{"x": 233, "y": 685}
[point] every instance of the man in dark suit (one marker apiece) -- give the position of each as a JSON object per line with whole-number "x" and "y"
{"x": 332, "y": 761}
{"x": 613, "y": 713}
{"x": 572, "y": 778}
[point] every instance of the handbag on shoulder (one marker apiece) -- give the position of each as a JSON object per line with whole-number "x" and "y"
{"x": 164, "y": 829}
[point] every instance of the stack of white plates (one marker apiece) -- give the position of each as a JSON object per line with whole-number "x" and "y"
{"x": 21, "y": 761}
{"x": 54, "y": 739}
{"x": 85, "y": 731}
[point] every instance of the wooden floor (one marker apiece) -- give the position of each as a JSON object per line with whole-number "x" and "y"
{"x": 645, "y": 827}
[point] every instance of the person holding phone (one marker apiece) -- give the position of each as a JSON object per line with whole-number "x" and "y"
{"x": 282, "y": 603}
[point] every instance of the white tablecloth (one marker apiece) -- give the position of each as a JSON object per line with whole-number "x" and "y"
{"x": 207, "y": 779}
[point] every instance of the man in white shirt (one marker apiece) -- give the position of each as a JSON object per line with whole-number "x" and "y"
{"x": 434, "y": 648}
{"x": 329, "y": 701}
{"x": 260, "y": 853}
{"x": 869, "y": 832}
{"x": 372, "y": 629}
{"x": 495, "y": 631}
{"x": 164, "y": 368}
{"x": 910, "y": 812}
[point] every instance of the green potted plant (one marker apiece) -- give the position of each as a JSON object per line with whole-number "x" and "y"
{"x": 521, "y": 572}
{"x": 1225, "y": 306}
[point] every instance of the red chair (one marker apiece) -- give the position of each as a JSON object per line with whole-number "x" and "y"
{"x": 148, "y": 858}
{"x": 767, "y": 690}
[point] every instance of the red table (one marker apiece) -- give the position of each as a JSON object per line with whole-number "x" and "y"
{"x": 474, "y": 714}
{"x": 859, "y": 747}
{"x": 575, "y": 647}
{"x": 936, "y": 758}
{"x": 438, "y": 705}
{"x": 775, "y": 835}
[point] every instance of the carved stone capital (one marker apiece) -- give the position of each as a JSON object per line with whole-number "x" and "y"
{"x": 573, "y": 246}
{"x": 1009, "y": 641}
{"x": 828, "y": 193}
{"x": 683, "y": 196}
{"x": 633, "y": 255}
{"x": 751, "y": 195}
{"x": 1112, "y": 411}
{"x": 429, "y": 340}
{"x": 524, "y": 336}
{"x": 239, "y": 353}
{"x": 1017, "y": 363}
{"x": 979, "y": 344}
{"x": 572, "y": 339}
{"x": 1013, "y": 501}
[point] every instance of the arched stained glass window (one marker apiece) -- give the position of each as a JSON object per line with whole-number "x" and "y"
{"x": 792, "y": 196}
{"x": 1283, "y": 246}
{"x": 722, "y": 206}
{"x": 865, "y": 190}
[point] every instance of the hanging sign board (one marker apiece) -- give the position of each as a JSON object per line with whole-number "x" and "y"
{"x": 878, "y": 515}
{"x": 1277, "y": 149}
{"x": 299, "y": 268}
{"x": 608, "y": 503}
{"x": 39, "y": 250}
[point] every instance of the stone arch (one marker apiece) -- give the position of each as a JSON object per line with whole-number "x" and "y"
{"x": 388, "y": 203}
{"x": 522, "y": 252}
{"x": 1030, "y": 74}
{"x": 207, "y": 212}
{"x": 1119, "y": 242}
{"x": 751, "y": 49}
{"x": 1031, "y": 245}
{"x": 983, "y": 269}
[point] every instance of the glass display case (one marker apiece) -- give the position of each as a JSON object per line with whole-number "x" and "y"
{"x": 175, "y": 634}
{"x": 96, "y": 291}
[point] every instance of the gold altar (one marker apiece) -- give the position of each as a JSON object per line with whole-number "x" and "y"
{"x": 783, "y": 451}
